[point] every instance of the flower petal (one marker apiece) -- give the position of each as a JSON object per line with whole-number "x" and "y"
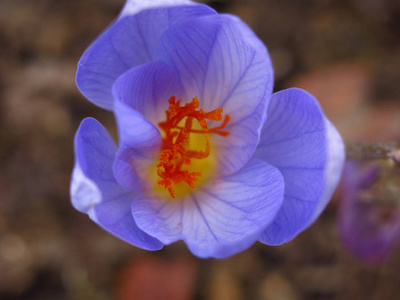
{"x": 94, "y": 190}
{"x": 84, "y": 192}
{"x": 147, "y": 89}
{"x": 128, "y": 164}
{"x": 308, "y": 151}
{"x": 140, "y": 142}
{"x": 115, "y": 216}
{"x": 333, "y": 169}
{"x": 129, "y": 42}
{"x": 135, "y": 6}
{"x": 222, "y": 62}
{"x": 220, "y": 219}
{"x": 94, "y": 151}
{"x": 135, "y": 130}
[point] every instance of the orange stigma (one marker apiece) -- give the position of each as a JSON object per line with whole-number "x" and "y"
{"x": 174, "y": 154}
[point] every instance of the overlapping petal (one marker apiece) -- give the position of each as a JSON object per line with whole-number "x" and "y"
{"x": 224, "y": 64}
{"x": 219, "y": 219}
{"x": 131, "y": 41}
{"x": 147, "y": 89}
{"x": 95, "y": 191}
{"x": 128, "y": 165}
{"x": 135, "y": 131}
{"x": 141, "y": 96}
{"x": 94, "y": 152}
{"x": 297, "y": 140}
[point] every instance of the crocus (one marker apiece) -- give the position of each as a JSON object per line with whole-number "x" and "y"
{"x": 206, "y": 153}
{"x": 369, "y": 212}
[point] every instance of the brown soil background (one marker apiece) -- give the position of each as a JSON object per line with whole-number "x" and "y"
{"x": 347, "y": 53}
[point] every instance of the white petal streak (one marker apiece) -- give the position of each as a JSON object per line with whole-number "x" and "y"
{"x": 135, "y": 6}
{"x": 84, "y": 192}
{"x": 334, "y": 165}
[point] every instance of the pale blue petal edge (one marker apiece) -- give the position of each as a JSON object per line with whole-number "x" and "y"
{"x": 334, "y": 167}
{"x": 220, "y": 219}
{"x": 94, "y": 190}
{"x": 299, "y": 140}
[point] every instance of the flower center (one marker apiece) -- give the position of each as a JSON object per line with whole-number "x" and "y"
{"x": 174, "y": 157}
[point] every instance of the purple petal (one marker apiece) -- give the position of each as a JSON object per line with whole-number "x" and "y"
{"x": 299, "y": 141}
{"x": 135, "y": 131}
{"x": 115, "y": 216}
{"x": 147, "y": 89}
{"x": 140, "y": 142}
{"x": 222, "y": 62}
{"x": 95, "y": 151}
{"x": 130, "y": 41}
{"x": 220, "y": 219}
{"x": 129, "y": 164}
{"x": 94, "y": 190}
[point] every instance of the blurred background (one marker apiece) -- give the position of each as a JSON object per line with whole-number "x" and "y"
{"x": 346, "y": 53}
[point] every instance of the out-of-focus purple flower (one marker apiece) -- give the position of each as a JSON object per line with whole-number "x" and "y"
{"x": 227, "y": 165}
{"x": 369, "y": 213}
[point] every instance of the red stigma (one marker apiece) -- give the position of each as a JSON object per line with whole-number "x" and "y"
{"x": 173, "y": 154}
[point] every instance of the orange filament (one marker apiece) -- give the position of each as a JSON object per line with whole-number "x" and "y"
{"x": 173, "y": 154}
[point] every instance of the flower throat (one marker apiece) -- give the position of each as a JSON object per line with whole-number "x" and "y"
{"x": 178, "y": 127}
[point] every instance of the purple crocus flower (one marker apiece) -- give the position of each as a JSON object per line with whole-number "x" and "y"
{"x": 206, "y": 154}
{"x": 369, "y": 215}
